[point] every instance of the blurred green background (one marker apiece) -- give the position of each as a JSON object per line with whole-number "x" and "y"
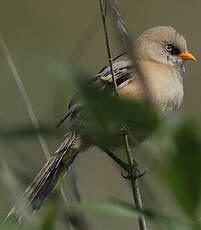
{"x": 43, "y": 37}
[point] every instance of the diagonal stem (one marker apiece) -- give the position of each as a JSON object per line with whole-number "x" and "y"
{"x": 131, "y": 167}
{"x": 133, "y": 176}
{"x": 24, "y": 96}
{"x": 108, "y": 46}
{"x": 27, "y": 102}
{"x": 115, "y": 158}
{"x": 138, "y": 202}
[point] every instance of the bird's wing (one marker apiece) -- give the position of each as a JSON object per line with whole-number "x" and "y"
{"x": 128, "y": 84}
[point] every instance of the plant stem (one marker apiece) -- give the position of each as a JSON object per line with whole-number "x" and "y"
{"x": 27, "y": 102}
{"x": 115, "y": 158}
{"x": 133, "y": 176}
{"x": 138, "y": 202}
{"x": 131, "y": 167}
{"x": 108, "y": 47}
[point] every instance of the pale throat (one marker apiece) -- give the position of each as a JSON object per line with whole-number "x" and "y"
{"x": 165, "y": 84}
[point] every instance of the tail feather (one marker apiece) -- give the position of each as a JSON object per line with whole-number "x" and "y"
{"x": 46, "y": 180}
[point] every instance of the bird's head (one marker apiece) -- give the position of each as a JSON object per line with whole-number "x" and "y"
{"x": 163, "y": 45}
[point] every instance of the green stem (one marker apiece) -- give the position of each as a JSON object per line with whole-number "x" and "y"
{"x": 108, "y": 46}
{"x": 133, "y": 176}
{"x": 115, "y": 158}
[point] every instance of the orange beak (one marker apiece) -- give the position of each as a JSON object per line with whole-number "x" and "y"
{"x": 187, "y": 56}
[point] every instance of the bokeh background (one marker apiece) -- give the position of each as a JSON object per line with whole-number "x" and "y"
{"x": 44, "y": 37}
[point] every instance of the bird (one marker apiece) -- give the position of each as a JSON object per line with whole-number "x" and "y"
{"x": 160, "y": 53}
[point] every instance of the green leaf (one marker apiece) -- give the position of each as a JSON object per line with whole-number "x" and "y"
{"x": 24, "y": 132}
{"x": 111, "y": 114}
{"x": 106, "y": 208}
{"x": 161, "y": 219}
{"x": 48, "y": 222}
{"x": 124, "y": 209}
{"x": 182, "y": 169}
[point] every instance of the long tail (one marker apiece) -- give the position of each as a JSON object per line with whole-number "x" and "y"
{"x": 46, "y": 180}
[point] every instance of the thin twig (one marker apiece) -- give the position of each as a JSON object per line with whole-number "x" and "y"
{"x": 133, "y": 176}
{"x": 24, "y": 96}
{"x": 126, "y": 42}
{"x": 115, "y": 158}
{"x": 27, "y": 102}
{"x": 128, "y": 151}
{"x": 108, "y": 45}
{"x": 133, "y": 167}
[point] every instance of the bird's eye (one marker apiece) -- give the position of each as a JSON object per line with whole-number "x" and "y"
{"x": 169, "y": 48}
{"x": 173, "y": 50}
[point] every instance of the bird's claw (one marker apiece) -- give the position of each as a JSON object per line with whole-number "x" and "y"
{"x": 127, "y": 177}
{"x": 141, "y": 174}
{"x": 136, "y": 173}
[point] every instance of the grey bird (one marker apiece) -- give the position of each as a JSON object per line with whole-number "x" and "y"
{"x": 160, "y": 53}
